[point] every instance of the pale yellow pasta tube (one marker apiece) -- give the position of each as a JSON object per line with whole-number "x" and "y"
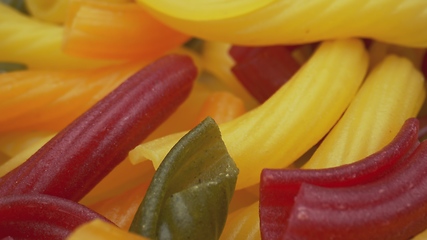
{"x": 37, "y": 44}
{"x": 293, "y": 21}
{"x": 295, "y": 118}
{"x": 393, "y": 92}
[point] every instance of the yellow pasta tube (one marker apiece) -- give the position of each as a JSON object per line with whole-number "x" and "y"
{"x": 291, "y": 21}
{"x": 295, "y": 118}
{"x": 37, "y": 44}
{"x": 393, "y": 92}
{"x": 243, "y": 224}
{"x": 207, "y": 9}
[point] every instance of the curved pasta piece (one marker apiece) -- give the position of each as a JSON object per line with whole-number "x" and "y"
{"x": 290, "y": 122}
{"x": 206, "y": 10}
{"x": 401, "y": 22}
{"x": 37, "y": 44}
{"x": 96, "y": 29}
{"x": 393, "y": 92}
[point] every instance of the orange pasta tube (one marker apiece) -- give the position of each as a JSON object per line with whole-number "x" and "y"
{"x": 52, "y": 99}
{"x": 98, "y": 29}
{"x": 121, "y": 209}
{"x": 123, "y": 177}
{"x": 221, "y": 106}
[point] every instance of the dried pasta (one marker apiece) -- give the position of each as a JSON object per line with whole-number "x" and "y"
{"x": 37, "y": 44}
{"x": 292, "y": 120}
{"x": 96, "y": 29}
{"x": 393, "y": 92}
{"x": 293, "y": 22}
{"x": 46, "y": 96}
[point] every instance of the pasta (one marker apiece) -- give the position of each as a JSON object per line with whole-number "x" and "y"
{"x": 362, "y": 76}
{"x": 294, "y": 108}
{"x": 312, "y": 21}
{"x": 48, "y": 95}
{"x": 96, "y": 29}
{"x": 392, "y": 93}
{"x": 37, "y": 44}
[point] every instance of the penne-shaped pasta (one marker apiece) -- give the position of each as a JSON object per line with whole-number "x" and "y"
{"x": 291, "y": 121}
{"x": 393, "y": 92}
{"x": 96, "y": 29}
{"x": 37, "y": 44}
{"x": 401, "y": 22}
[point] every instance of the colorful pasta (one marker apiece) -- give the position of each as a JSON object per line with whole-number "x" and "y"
{"x": 339, "y": 113}
{"x": 293, "y": 115}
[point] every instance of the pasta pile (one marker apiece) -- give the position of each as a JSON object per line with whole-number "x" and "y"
{"x": 362, "y": 75}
